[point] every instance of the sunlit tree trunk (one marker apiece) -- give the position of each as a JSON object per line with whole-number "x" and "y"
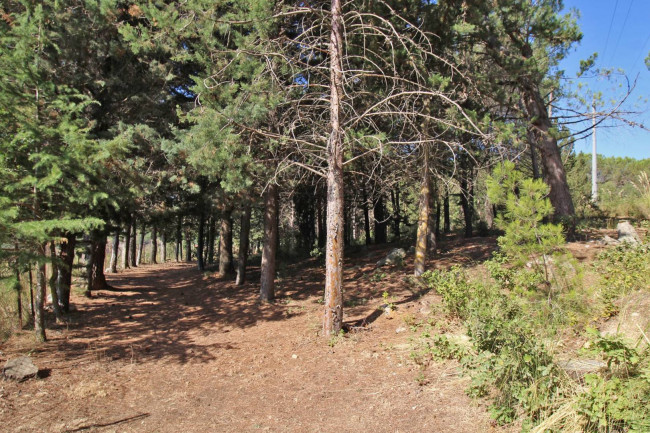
{"x": 56, "y": 308}
{"x": 423, "y": 216}
{"x": 127, "y": 247}
{"x": 163, "y": 246}
{"x": 138, "y": 260}
{"x": 114, "y": 252}
{"x": 154, "y": 244}
{"x": 333, "y": 319}
{"x": 267, "y": 278}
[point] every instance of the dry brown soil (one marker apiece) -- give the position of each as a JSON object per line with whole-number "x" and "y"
{"x": 174, "y": 350}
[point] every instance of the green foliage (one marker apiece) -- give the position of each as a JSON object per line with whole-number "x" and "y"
{"x": 619, "y": 398}
{"x": 622, "y": 269}
{"x": 454, "y": 287}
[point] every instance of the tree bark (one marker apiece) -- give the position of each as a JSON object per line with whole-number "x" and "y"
{"x": 19, "y": 298}
{"x": 366, "y": 216}
{"x": 466, "y": 202}
{"x": 41, "y": 285}
{"x": 163, "y": 245}
{"x": 226, "y": 266}
{"x": 56, "y": 308}
{"x": 244, "y": 235}
{"x": 116, "y": 246}
{"x": 380, "y": 221}
{"x": 132, "y": 253}
{"x": 423, "y": 216}
{"x": 200, "y": 239}
{"x": 154, "y": 244}
{"x": 64, "y": 283}
{"x": 333, "y": 319}
{"x": 179, "y": 238}
{"x": 267, "y": 278}
{"x": 397, "y": 217}
{"x": 432, "y": 239}
{"x": 211, "y": 235}
{"x": 141, "y": 248}
{"x": 98, "y": 257}
{"x": 127, "y": 246}
{"x": 188, "y": 245}
{"x": 446, "y": 218}
{"x": 554, "y": 173}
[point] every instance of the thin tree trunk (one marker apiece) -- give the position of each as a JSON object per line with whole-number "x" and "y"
{"x": 53, "y": 279}
{"x": 225, "y": 248}
{"x": 423, "y": 216}
{"x": 447, "y": 220}
{"x": 31, "y": 293}
{"x": 533, "y": 154}
{"x": 19, "y": 298}
{"x": 134, "y": 238}
{"x": 179, "y": 238}
{"x": 366, "y": 216}
{"x": 211, "y": 234}
{"x": 267, "y": 278}
{"x": 188, "y": 245}
{"x": 66, "y": 256}
{"x": 244, "y": 235}
{"x": 41, "y": 285}
{"x": 200, "y": 238}
{"x": 432, "y": 239}
{"x": 141, "y": 247}
{"x": 163, "y": 245}
{"x": 333, "y": 320}
{"x": 466, "y": 202}
{"x": 154, "y": 245}
{"x": 127, "y": 246}
{"x": 116, "y": 246}
{"x": 397, "y": 217}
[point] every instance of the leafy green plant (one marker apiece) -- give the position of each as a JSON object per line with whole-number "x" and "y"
{"x": 453, "y": 286}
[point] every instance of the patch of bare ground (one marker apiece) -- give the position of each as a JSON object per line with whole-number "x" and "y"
{"x": 175, "y": 350}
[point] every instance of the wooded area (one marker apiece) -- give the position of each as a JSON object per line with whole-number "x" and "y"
{"x": 226, "y": 133}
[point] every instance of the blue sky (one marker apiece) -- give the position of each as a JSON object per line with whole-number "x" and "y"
{"x": 618, "y": 31}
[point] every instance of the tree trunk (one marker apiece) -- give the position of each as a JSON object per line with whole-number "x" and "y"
{"x": 243, "y": 245}
{"x": 188, "y": 245}
{"x": 432, "y": 240}
{"x": 267, "y": 278}
{"x": 179, "y": 238}
{"x": 333, "y": 320}
{"x": 132, "y": 253}
{"x": 447, "y": 220}
{"x": 116, "y": 246}
{"x": 163, "y": 245}
{"x": 322, "y": 216}
{"x": 554, "y": 174}
{"x": 226, "y": 266}
{"x": 533, "y": 154}
{"x": 380, "y": 221}
{"x": 397, "y": 217}
{"x": 154, "y": 244}
{"x": 127, "y": 246}
{"x": 141, "y": 248}
{"x": 41, "y": 285}
{"x": 98, "y": 257}
{"x": 64, "y": 283}
{"x": 200, "y": 240}
{"x": 466, "y": 202}
{"x": 19, "y": 298}
{"x": 31, "y": 293}
{"x": 366, "y": 216}
{"x": 52, "y": 283}
{"x": 423, "y": 216}
{"x": 211, "y": 235}
{"x": 438, "y": 218}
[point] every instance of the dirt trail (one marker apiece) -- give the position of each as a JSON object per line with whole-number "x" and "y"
{"x": 172, "y": 350}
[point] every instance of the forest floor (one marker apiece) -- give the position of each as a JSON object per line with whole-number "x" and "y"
{"x": 171, "y": 349}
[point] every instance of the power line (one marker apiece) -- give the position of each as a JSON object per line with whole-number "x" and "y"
{"x": 611, "y": 22}
{"x": 621, "y": 32}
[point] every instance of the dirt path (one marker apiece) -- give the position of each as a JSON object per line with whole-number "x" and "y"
{"x": 171, "y": 350}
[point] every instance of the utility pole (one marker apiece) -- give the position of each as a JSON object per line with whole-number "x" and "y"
{"x": 594, "y": 158}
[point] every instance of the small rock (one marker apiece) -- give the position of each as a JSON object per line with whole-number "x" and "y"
{"x": 400, "y": 329}
{"x": 626, "y": 233}
{"x": 607, "y": 240}
{"x": 394, "y": 257}
{"x": 19, "y": 369}
{"x": 294, "y": 356}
